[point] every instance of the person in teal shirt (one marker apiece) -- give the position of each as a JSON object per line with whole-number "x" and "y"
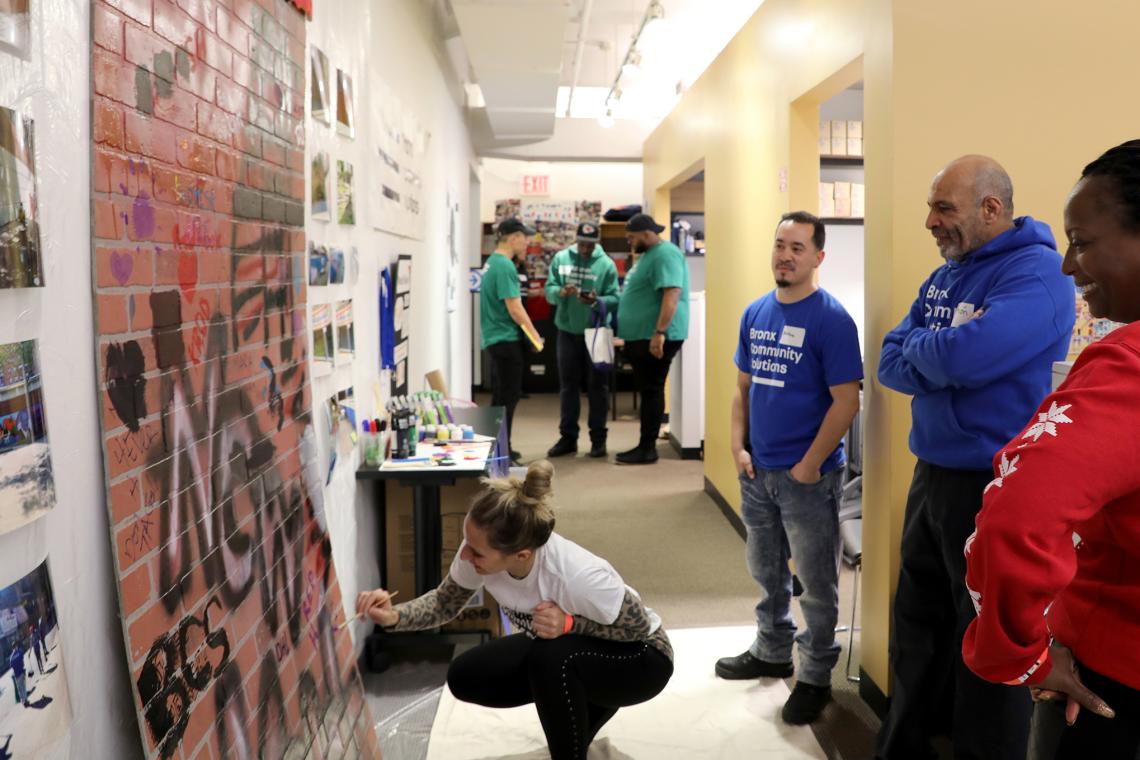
{"x": 582, "y": 285}
{"x": 501, "y": 315}
{"x": 653, "y": 320}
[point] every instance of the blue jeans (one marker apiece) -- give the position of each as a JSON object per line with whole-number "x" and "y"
{"x": 786, "y": 519}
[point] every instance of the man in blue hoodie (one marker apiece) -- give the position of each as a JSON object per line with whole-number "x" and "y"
{"x": 976, "y": 354}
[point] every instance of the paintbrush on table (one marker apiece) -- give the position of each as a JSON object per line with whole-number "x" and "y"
{"x": 344, "y": 625}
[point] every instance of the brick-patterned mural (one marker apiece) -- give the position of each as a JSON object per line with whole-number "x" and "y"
{"x": 227, "y": 591}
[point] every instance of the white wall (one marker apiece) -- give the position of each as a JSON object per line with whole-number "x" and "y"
{"x": 390, "y": 42}
{"x": 53, "y": 86}
{"x": 613, "y": 183}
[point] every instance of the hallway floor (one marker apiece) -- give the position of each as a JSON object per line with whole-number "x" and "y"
{"x": 669, "y": 540}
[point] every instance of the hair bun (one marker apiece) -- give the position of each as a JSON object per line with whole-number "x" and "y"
{"x": 538, "y": 477}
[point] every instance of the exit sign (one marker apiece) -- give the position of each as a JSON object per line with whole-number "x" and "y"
{"x": 536, "y": 184}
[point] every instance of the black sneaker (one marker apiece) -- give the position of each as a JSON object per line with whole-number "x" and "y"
{"x": 563, "y": 447}
{"x": 637, "y": 456}
{"x": 745, "y": 666}
{"x": 598, "y": 449}
{"x": 806, "y": 703}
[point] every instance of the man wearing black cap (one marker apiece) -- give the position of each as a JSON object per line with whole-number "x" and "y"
{"x": 501, "y": 314}
{"x": 582, "y": 283}
{"x": 653, "y": 319}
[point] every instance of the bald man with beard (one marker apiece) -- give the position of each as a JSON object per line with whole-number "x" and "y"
{"x": 975, "y": 353}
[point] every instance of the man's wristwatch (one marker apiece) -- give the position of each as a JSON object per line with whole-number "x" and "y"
{"x": 659, "y": 332}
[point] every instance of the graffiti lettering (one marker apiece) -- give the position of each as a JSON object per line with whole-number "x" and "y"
{"x": 176, "y": 669}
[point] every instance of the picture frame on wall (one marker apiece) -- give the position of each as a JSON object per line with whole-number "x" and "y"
{"x": 319, "y": 191}
{"x": 15, "y": 26}
{"x": 345, "y": 114}
{"x": 21, "y": 260}
{"x": 320, "y": 86}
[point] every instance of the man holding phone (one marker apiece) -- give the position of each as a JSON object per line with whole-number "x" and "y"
{"x": 583, "y": 280}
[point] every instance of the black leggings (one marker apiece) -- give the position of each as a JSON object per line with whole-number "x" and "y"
{"x": 577, "y": 683}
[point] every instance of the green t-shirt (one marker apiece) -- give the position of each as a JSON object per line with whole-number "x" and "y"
{"x": 598, "y": 275}
{"x": 500, "y": 282}
{"x": 662, "y": 266}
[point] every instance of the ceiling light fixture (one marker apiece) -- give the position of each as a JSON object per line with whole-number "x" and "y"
{"x": 632, "y": 63}
{"x": 654, "y": 15}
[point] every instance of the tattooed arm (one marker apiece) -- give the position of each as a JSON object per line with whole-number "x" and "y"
{"x": 434, "y": 608}
{"x": 632, "y": 623}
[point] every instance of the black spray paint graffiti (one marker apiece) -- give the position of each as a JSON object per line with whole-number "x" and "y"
{"x": 219, "y": 459}
{"x": 177, "y": 668}
{"x": 126, "y": 386}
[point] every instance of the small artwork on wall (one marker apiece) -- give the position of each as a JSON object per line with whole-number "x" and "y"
{"x": 14, "y": 26}
{"x": 318, "y": 264}
{"x": 321, "y": 97}
{"x": 21, "y": 265}
{"x": 345, "y": 206}
{"x": 345, "y": 329}
{"x": 27, "y": 489}
{"x": 322, "y": 333}
{"x": 36, "y": 706}
{"x": 319, "y": 198}
{"x": 345, "y": 120}
{"x": 336, "y": 267}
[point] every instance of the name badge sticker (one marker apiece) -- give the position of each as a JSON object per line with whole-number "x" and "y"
{"x": 793, "y": 336}
{"x": 962, "y": 314}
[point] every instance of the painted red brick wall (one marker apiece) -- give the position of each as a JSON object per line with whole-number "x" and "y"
{"x": 227, "y": 590}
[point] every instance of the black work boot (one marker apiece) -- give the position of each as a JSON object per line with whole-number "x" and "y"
{"x": 563, "y": 447}
{"x": 746, "y": 665}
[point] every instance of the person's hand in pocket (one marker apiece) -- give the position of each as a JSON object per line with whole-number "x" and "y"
{"x": 805, "y": 475}
{"x": 744, "y": 464}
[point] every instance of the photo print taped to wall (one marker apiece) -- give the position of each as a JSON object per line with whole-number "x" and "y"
{"x": 15, "y": 26}
{"x": 345, "y": 119}
{"x": 27, "y": 488}
{"x": 320, "y": 100}
{"x": 319, "y": 192}
{"x": 345, "y": 205}
{"x": 21, "y": 263}
{"x": 36, "y": 708}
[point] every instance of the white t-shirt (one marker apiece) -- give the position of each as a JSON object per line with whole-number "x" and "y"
{"x": 578, "y": 581}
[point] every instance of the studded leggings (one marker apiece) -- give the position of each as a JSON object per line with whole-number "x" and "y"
{"x": 576, "y": 683}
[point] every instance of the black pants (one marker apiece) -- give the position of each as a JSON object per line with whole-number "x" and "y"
{"x": 506, "y": 378}
{"x": 577, "y": 683}
{"x": 649, "y": 375}
{"x": 575, "y": 371}
{"x": 933, "y": 690}
{"x": 1091, "y": 736}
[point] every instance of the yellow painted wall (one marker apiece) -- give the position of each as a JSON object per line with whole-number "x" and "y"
{"x": 1042, "y": 85}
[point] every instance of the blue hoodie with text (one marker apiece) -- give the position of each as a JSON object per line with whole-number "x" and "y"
{"x": 976, "y": 382}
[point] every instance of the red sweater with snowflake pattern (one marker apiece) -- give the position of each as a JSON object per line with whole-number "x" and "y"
{"x": 1056, "y": 552}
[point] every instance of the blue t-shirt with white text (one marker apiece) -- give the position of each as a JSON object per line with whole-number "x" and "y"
{"x": 795, "y": 353}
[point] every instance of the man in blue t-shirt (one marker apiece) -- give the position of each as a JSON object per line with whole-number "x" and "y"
{"x": 797, "y": 394}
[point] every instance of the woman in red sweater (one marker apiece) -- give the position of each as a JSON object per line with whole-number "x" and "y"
{"x": 1054, "y": 565}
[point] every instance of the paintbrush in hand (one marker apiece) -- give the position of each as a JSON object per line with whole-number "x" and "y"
{"x": 344, "y": 625}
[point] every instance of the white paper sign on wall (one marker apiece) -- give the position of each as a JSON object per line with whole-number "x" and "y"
{"x": 475, "y": 280}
